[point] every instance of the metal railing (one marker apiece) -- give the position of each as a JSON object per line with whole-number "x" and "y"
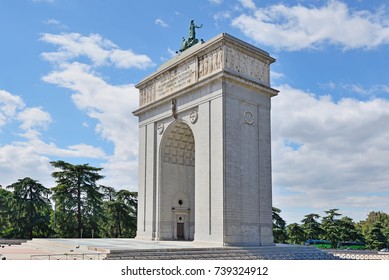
{"x": 358, "y": 255}
{"x": 66, "y": 256}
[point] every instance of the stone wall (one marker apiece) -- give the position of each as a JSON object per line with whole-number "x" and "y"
{"x": 220, "y": 91}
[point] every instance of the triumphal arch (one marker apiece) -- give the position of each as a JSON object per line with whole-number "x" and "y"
{"x": 204, "y": 146}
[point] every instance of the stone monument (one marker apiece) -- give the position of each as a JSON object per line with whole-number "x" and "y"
{"x": 204, "y": 146}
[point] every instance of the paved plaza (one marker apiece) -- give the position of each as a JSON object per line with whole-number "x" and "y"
{"x": 133, "y": 249}
{"x": 120, "y": 249}
{"x": 61, "y": 248}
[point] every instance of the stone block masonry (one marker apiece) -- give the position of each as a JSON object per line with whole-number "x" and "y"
{"x": 204, "y": 146}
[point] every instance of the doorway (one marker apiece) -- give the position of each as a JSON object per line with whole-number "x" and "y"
{"x": 180, "y": 231}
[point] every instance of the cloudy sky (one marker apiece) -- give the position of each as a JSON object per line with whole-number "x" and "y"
{"x": 68, "y": 70}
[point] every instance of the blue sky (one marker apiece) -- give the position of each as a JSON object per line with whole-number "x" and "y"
{"x": 68, "y": 70}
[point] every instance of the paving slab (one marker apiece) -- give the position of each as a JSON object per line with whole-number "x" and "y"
{"x": 57, "y": 246}
{"x": 126, "y": 248}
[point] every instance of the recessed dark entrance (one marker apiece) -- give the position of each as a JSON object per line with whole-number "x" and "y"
{"x": 180, "y": 231}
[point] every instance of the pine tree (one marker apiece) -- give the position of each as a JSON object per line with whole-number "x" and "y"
{"x": 295, "y": 233}
{"x": 78, "y": 200}
{"x": 279, "y": 226}
{"x": 30, "y": 209}
{"x": 311, "y": 226}
{"x": 375, "y": 238}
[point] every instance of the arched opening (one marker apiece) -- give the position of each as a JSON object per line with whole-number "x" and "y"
{"x": 177, "y": 183}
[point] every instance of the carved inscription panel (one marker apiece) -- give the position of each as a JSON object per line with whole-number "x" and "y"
{"x": 206, "y": 64}
{"x": 169, "y": 83}
{"x": 175, "y": 79}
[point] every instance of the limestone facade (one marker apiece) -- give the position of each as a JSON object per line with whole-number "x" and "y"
{"x": 204, "y": 146}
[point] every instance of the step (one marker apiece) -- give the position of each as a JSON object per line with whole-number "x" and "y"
{"x": 268, "y": 253}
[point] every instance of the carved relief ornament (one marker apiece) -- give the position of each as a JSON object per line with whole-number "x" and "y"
{"x": 248, "y": 117}
{"x": 193, "y": 117}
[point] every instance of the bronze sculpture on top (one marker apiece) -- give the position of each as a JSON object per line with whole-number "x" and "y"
{"x": 192, "y": 40}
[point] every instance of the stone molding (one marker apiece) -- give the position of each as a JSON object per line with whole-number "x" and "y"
{"x": 222, "y": 54}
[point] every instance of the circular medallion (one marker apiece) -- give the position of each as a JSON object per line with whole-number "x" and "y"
{"x": 160, "y": 128}
{"x": 193, "y": 117}
{"x": 248, "y": 117}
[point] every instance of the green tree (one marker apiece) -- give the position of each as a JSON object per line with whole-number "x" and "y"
{"x": 78, "y": 200}
{"x": 375, "y": 239}
{"x": 131, "y": 200}
{"x": 120, "y": 211}
{"x": 5, "y": 212}
{"x": 311, "y": 226}
{"x": 30, "y": 209}
{"x": 295, "y": 233}
{"x": 108, "y": 192}
{"x": 348, "y": 230}
{"x": 366, "y": 227}
{"x": 331, "y": 226}
{"x": 279, "y": 226}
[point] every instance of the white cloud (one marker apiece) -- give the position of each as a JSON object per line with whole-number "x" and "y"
{"x": 160, "y": 22}
{"x": 55, "y": 23}
{"x": 128, "y": 59}
{"x": 341, "y": 154}
{"x": 9, "y": 103}
{"x": 248, "y": 4}
{"x": 216, "y": 2}
{"x": 52, "y": 21}
{"x": 223, "y": 15}
{"x": 84, "y": 150}
{"x": 30, "y": 156}
{"x": 306, "y": 27}
{"x": 110, "y": 105}
{"x": 12, "y": 108}
{"x": 121, "y": 173}
{"x": 73, "y": 45}
{"x": 34, "y": 118}
{"x": 19, "y": 160}
{"x": 276, "y": 75}
{"x": 37, "y": 147}
{"x": 99, "y": 50}
{"x": 378, "y": 89}
{"x": 171, "y": 52}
